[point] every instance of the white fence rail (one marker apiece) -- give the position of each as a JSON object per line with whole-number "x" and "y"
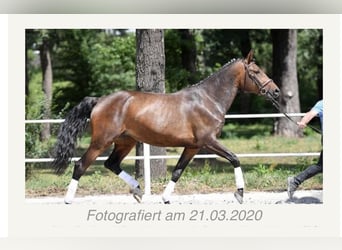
{"x": 153, "y": 157}
{"x": 237, "y": 116}
{"x": 147, "y": 157}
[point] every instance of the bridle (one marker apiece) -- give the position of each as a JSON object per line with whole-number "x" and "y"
{"x": 252, "y": 76}
{"x": 263, "y": 91}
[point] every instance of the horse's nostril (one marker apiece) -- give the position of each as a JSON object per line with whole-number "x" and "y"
{"x": 276, "y": 92}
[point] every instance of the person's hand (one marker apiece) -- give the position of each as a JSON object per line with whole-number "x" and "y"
{"x": 301, "y": 124}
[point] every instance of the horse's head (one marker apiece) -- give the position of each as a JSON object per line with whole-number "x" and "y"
{"x": 256, "y": 81}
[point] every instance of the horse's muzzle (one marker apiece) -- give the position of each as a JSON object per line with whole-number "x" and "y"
{"x": 273, "y": 94}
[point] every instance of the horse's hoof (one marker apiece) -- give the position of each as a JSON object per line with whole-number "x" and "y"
{"x": 67, "y": 201}
{"x": 137, "y": 194}
{"x": 239, "y": 195}
{"x": 166, "y": 200}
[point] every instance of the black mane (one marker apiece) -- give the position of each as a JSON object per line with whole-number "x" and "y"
{"x": 228, "y": 64}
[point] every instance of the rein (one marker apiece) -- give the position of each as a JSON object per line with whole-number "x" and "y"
{"x": 277, "y": 105}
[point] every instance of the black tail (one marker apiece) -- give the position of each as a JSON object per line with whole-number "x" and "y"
{"x": 74, "y": 125}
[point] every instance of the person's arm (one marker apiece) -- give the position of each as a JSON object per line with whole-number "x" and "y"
{"x": 307, "y": 118}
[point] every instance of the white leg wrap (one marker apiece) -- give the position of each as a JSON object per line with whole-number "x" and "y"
{"x": 70, "y": 195}
{"x": 133, "y": 183}
{"x": 239, "y": 178}
{"x": 168, "y": 191}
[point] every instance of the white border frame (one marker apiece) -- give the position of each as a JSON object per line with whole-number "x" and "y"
{"x": 4, "y": 103}
{"x": 64, "y": 221}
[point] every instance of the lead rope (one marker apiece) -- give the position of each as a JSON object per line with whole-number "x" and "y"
{"x": 277, "y": 105}
{"x": 274, "y": 101}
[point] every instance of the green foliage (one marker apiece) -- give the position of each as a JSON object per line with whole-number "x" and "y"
{"x": 113, "y": 64}
{"x": 94, "y": 63}
{"x": 35, "y": 101}
{"x": 237, "y": 130}
{"x": 85, "y": 62}
{"x": 309, "y": 66}
{"x": 261, "y": 169}
{"x": 176, "y": 75}
{"x": 34, "y": 110}
{"x": 98, "y": 62}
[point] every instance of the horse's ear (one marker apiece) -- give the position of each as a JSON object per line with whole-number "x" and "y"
{"x": 249, "y": 57}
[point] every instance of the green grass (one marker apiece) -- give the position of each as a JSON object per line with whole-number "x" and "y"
{"x": 201, "y": 176}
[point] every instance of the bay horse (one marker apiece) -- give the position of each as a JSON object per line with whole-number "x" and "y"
{"x": 191, "y": 118}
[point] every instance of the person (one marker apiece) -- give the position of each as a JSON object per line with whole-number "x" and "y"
{"x": 294, "y": 181}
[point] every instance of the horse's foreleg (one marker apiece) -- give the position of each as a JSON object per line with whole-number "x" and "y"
{"x": 121, "y": 149}
{"x": 183, "y": 161}
{"x": 220, "y": 150}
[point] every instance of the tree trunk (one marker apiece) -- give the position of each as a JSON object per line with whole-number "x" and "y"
{"x": 150, "y": 77}
{"x": 245, "y": 46}
{"x": 45, "y": 61}
{"x": 285, "y": 75}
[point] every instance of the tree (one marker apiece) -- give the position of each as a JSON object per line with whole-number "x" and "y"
{"x": 92, "y": 63}
{"x": 188, "y": 53}
{"x": 29, "y": 39}
{"x": 46, "y": 65}
{"x": 318, "y": 51}
{"x": 310, "y": 66}
{"x": 150, "y": 77}
{"x": 181, "y": 49}
{"x": 285, "y": 75}
{"x": 222, "y": 45}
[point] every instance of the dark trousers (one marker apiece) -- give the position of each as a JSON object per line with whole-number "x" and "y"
{"x": 310, "y": 171}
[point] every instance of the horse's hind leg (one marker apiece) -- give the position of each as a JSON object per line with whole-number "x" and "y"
{"x": 215, "y": 147}
{"x": 183, "y": 161}
{"x": 122, "y": 147}
{"x": 94, "y": 150}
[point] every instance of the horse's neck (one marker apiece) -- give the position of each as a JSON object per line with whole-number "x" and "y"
{"x": 221, "y": 89}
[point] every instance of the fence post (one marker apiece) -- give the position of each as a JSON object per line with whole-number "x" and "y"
{"x": 147, "y": 169}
